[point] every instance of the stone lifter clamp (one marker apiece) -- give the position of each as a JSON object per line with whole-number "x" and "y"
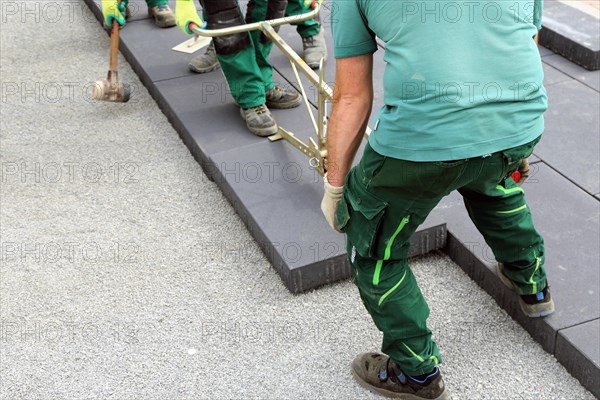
{"x": 315, "y": 150}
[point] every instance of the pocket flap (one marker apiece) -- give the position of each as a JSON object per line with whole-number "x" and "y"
{"x": 364, "y": 216}
{"x": 365, "y": 203}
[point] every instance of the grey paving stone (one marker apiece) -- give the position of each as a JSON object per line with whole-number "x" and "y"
{"x": 544, "y": 52}
{"x": 278, "y": 197}
{"x": 572, "y": 33}
{"x": 534, "y": 159}
{"x": 156, "y": 57}
{"x": 589, "y": 78}
{"x": 552, "y": 76}
{"x": 577, "y": 348}
{"x": 571, "y": 142}
{"x": 153, "y": 60}
{"x": 571, "y": 244}
{"x": 204, "y": 113}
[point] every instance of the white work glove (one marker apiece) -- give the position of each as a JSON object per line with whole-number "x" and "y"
{"x": 329, "y": 205}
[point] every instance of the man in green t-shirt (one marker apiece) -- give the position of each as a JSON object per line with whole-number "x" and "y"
{"x": 464, "y": 103}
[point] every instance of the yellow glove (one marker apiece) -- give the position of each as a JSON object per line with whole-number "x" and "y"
{"x": 329, "y": 204}
{"x": 112, "y": 10}
{"x": 186, "y": 14}
{"x": 312, "y": 3}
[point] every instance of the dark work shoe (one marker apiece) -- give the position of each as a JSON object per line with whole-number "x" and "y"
{"x": 379, "y": 374}
{"x": 279, "y": 97}
{"x": 533, "y": 305}
{"x": 205, "y": 62}
{"x": 163, "y": 16}
{"x": 259, "y": 120}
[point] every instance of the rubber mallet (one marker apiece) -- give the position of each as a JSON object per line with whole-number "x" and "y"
{"x": 111, "y": 89}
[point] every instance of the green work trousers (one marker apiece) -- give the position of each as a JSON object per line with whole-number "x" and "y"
{"x": 249, "y": 72}
{"x": 306, "y": 28}
{"x": 386, "y": 199}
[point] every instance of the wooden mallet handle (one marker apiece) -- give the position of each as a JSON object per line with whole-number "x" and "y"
{"x": 114, "y": 46}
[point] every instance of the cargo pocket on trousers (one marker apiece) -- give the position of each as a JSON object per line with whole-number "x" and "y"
{"x": 359, "y": 215}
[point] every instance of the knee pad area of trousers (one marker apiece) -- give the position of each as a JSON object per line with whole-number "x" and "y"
{"x": 224, "y": 14}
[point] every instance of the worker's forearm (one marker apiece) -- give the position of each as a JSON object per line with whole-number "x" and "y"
{"x": 347, "y": 125}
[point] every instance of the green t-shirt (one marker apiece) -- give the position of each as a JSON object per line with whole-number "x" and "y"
{"x": 462, "y": 78}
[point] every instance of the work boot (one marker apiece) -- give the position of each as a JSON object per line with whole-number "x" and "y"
{"x": 315, "y": 49}
{"x": 379, "y": 374}
{"x": 205, "y": 62}
{"x": 533, "y": 305}
{"x": 259, "y": 120}
{"x": 279, "y": 97}
{"x": 163, "y": 16}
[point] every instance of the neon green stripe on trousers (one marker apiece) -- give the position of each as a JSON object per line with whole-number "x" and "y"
{"x": 418, "y": 357}
{"x": 388, "y": 250}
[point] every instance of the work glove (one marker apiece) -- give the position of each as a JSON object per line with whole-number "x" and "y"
{"x": 522, "y": 173}
{"x": 186, "y": 14}
{"x": 330, "y": 201}
{"x": 113, "y": 10}
{"x": 311, "y": 3}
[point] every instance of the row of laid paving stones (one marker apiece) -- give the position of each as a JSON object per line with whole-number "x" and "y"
{"x": 277, "y": 195}
{"x": 572, "y": 30}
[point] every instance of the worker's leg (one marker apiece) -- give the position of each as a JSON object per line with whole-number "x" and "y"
{"x": 497, "y": 207}
{"x": 236, "y": 53}
{"x": 260, "y": 10}
{"x": 313, "y": 38}
{"x": 306, "y": 28}
{"x": 384, "y": 202}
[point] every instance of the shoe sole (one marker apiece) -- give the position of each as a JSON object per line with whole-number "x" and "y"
{"x": 528, "y": 309}
{"x": 164, "y": 24}
{"x": 261, "y": 132}
{"x": 205, "y": 70}
{"x": 284, "y": 106}
{"x": 405, "y": 396}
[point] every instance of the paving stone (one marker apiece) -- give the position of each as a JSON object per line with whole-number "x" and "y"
{"x": 571, "y": 142}
{"x": 278, "y": 197}
{"x": 156, "y": 57}
{"x": 577, "y": 348}
{"x": 153, "y": 60}
{"x": 572, "y": 33}
{"x": 534, "y": 159}
{"x": 589, "y": 78}
{"x": 203, "y": 111}
{"x": 571, "y": 244}
{"x": 552, "y": 76}
{"x": 544, "y": 52}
